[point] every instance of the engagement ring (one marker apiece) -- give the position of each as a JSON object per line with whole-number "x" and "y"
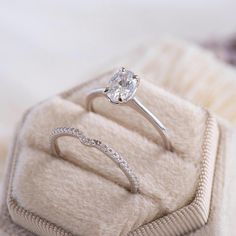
{"x": 121, "y": 90}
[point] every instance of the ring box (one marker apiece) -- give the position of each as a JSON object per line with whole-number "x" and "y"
{"x": 181, "y": 192}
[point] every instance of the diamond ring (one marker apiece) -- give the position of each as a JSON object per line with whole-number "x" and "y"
{"x": 121, "y": 90}
{"x": 108, "y": 151}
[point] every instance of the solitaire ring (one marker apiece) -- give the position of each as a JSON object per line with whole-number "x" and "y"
{"x": 121, "y": 90}
{"x": 108, "y": 151}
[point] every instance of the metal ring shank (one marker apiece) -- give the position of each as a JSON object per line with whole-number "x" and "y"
{"x": 135, "y": 104}
{"x": 111, "y": 153}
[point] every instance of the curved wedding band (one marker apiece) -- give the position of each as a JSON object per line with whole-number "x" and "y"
{"x": 121, "y": 90}
{"x": 108, "y": 151}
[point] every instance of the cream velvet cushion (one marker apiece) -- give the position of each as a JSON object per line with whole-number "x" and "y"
{"x": 86, "y": 194}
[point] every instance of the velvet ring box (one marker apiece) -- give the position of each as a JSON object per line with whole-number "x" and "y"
{"x": 86, "y": 194}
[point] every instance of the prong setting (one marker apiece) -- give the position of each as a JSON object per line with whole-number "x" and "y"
{"x": 122, "y": 86}
{"x": 137, "y": 78}
{"x": 122, "y": 69}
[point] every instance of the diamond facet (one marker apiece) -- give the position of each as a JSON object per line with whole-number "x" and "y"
{"x": 122, "y": 86}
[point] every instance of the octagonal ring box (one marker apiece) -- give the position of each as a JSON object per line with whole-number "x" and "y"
{"x": 86, "y": 194}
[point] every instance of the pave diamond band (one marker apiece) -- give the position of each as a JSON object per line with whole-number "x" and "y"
{"x": 121, "y": 90}
{"x": 108, "y": 151}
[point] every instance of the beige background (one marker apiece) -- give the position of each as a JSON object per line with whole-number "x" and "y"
{"x": 47, "y": 46}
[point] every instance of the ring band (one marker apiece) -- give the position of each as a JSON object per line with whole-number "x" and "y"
{"x": 121, "y": 90}
{"x": 108, "y": 151}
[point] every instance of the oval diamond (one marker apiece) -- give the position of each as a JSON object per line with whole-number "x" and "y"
{"x": 122, "y": 86}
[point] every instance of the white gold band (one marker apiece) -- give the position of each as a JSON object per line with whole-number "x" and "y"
{"x": 111, "y": 153}
{"x": 135, "y": 104}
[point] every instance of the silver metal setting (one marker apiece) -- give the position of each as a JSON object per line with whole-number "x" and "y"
{"x": 135, "y": 104}
{"x": 108, "y": 151}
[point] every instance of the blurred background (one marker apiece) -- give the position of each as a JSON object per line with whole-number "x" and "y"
{"x": 48, "y": 46}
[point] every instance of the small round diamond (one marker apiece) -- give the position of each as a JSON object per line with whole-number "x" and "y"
{"x": 122, "y": 86}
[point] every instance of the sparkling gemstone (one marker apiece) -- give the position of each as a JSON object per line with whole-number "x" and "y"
{"x": 122, "y": 86}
